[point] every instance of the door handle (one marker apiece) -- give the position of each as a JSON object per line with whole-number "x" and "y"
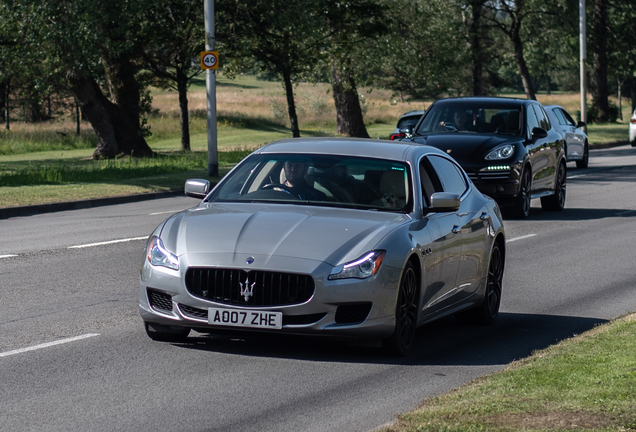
{"x": 484, "y": 216}
{"x": 456, "y": 229}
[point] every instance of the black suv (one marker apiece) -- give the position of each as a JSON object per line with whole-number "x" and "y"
{"x": 507, "y": 147}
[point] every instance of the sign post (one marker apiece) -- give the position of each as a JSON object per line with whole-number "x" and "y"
{"x": 582, "y": 62}
{"x": 211, "y": 61}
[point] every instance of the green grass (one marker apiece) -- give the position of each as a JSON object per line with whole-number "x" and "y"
{"x": 587, "y": 383}
{"x": 37, "y": 162}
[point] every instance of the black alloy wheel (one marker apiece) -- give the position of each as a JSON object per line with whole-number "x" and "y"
{"x": 488, "y": 311}
{"x": 401, "y": 341}
{"x": 162, "y": 333}
{"x": 583, "y": 163}
{"x": 556, "y": 201}
{"x": 521, "y": 209}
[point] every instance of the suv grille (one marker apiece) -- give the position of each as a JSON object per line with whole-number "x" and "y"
{"x": 266, "y": 288}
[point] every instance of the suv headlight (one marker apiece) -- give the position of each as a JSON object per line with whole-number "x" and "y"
{"x": 158, "y": 255}
{"x": 362, "y": 268}
{"x": 503, "y": 152}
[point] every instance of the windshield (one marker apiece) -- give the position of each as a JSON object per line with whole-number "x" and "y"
{"x": 326, "y": 180}
{"x": 462, "y": 117}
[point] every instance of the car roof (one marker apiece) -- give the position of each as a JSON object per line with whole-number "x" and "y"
{"x": 485, "y": 100}
{"x": 377, "y": 148}
{"x": 415, "y": 112}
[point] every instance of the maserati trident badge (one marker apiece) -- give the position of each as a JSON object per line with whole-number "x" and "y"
{"x": 247, "y": 290}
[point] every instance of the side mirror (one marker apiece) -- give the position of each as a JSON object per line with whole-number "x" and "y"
{"x": 580, "y": 124}
{"x": 538, "y": 133}
{"x": 445, "y": 202}
{"x": 407, "y": 130}
{"x": 197, "y": 188}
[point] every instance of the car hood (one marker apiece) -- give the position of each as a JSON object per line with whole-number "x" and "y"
{"x": 466, "y": 148}
{"x": 295, "y": 231}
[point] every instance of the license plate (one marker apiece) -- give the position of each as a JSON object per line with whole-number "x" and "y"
{"x": 250, "y": 319}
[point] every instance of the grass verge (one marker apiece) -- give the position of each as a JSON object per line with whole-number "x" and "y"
{"x": 586, "y": 383}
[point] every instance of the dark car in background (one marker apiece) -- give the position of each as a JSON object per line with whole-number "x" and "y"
{"x": 508, "y": 147}
{"x": 409, "y": 118}
{"x": 577, "y": 146}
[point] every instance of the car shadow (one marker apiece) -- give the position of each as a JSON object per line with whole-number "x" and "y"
{"x": 443, "y": 342}
{"x": 578, "y": 214}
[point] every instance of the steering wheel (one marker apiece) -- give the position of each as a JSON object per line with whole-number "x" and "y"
{"x": 280, "y": 188}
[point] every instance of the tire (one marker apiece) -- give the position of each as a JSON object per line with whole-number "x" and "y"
{"x": 586, "y": 157}
{"x": 406, "y": 308}
{"x": 556, "y": 201}
{"x": 521, "y": 209}
{"x": 162, "y": 333}
{"x": 488, "y": 311}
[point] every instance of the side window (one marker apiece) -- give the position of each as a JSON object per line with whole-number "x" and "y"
{"x": 568, "y": 118}
{"x": 450, "y": 176}
{"x": 429, "y": 181}
{"x": 559, "y": 115}
{"x": 531, "y": 119}
{"x": 542, "y": 117}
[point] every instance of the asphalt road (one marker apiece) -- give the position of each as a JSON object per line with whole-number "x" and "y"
{"x": 74, "y": 356}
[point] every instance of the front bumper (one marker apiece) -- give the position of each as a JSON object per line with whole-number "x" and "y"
{"x": 345, "y": 307}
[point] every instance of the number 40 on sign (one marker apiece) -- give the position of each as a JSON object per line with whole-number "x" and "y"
{"x": 210, "y": 60}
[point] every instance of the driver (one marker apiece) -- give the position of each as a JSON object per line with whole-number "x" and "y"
{"x": 460, "y": 121}
{"x": 295, "y": 171}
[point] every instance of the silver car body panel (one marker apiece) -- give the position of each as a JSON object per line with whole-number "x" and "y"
{"x": 451, "y": 250}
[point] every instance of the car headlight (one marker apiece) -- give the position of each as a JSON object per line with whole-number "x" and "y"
{"x": 362, "y": 268}
{"x": 503, "y": 152}
{"x": 158, "y": 255}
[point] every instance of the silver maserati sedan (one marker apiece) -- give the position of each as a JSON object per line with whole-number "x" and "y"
{"x": 341, "y": 237}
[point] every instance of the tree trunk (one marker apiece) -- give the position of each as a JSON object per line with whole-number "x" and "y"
{"x": 6, "y": 105}
{"x": 182, "y": 86}
{"x": 349, "y": 120}
{"x": 600, "y": 92}
{"x": 291, "y": 105}
{"x": 117, "y": 128}
{"x": 475, "y": 47}
{"x": 3, "y": 102}
{"x": 521, "y": 63}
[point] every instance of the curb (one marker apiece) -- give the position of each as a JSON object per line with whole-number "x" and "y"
{"x": 30, "y": 210}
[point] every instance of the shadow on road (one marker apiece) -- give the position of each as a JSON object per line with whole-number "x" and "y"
{"x": 444, "y": 342}
{"x": 578, "y": 214}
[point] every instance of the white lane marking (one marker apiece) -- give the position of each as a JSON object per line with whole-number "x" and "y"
{"x": 576, "y": 176}
{"x": 7, "y": 256}
{"x": 520, "y": 238}
{"x": 48, "y": 344}
{"x": 108, "y": 242}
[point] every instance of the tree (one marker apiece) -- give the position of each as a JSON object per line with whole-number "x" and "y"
{"x": 473, "y": 10}
{"x": 600, "y": 92}
{"x": 424, "y": 53}
{"x": 99, "y": 53}
{"x": 280, "y": 36}
{"x": 350, "y": 27}
{"x": 171, "y": 55}
{"x": 508, "y": 17}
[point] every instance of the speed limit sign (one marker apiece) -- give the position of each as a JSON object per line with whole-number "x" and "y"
{"x": 210, "y": 60}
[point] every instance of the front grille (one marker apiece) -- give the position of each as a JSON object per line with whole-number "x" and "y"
{"x": 353, "y": 313}
{"x": 489, "y": 175}
{"x": 196, "y": 313}
{"x": 159, "y": 301}
{"x": 261, "y": 288}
